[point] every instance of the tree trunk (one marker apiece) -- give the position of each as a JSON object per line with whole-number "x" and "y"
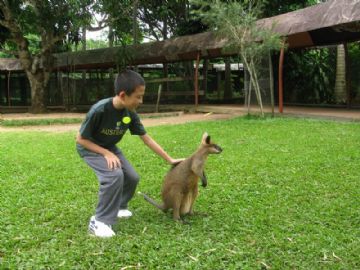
{"x": 250, "y": 65}
{"x": 38, "y": 67}
{"x": 340, "y": 81}
{"x": 23, "y": 89}
{"x": 38, "y": 70}
{"x": 83, "y": 39}
{"x": 347, "y": 76}
{"x": 84, "y": 90}
{"x": 135, "y": 24}
{"x": 189, "y": 72}
{"x": 38, "y": 82}
{"x": 111, "y": 36}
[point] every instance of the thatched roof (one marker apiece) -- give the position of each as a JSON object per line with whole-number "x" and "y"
{"x": 171, "y": 50}
{"x": 10, "y": 64}
{"x": 332, "y": 22}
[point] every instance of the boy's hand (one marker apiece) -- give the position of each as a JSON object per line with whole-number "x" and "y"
{"x": 112, "y": 160}
{"x": 176, "y": 161}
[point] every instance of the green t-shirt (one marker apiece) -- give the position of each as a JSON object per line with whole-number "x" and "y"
{"x": 105, "y": 126}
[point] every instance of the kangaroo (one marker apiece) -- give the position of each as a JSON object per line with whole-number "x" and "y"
{"x": 180, "y": 186}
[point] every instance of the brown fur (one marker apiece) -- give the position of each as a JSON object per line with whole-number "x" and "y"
{"x": 180, "y": 186}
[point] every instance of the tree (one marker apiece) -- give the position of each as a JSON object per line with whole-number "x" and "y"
{"x": 51, "y": 21}
{"x": 237, "y": 21}
{"x": 340, "y": 94}
{"x": 117, "y": 15}
{"x": 160, "y": 18}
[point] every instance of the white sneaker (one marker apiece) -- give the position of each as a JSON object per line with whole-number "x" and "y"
{"x": 99, "y": 228}
{"x": 124, "y": 213}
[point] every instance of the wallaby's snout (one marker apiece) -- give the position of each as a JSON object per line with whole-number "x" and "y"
{"x": 214, "y": 149}
{"x": 218, "y": 149}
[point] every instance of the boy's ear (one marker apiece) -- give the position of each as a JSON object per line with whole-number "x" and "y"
{"x": 122, "y": 94}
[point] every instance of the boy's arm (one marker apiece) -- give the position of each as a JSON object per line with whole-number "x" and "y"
{"x": 153, "y": 145}
{"x": 112, "y": 160}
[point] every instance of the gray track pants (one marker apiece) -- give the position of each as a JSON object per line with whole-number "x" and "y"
{"x": 117, "y": 186}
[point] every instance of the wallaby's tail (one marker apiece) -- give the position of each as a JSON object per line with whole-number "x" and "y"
{"x": 153, "y": 202}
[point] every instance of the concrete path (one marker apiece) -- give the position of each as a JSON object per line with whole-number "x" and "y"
{"x": 202, "y": 113}
{"x": 147, "y": 120}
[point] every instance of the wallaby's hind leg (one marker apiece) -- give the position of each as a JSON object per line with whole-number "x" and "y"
{"x": 176, "y": 206}
{"x": 186, "y": 204}
{"x": 194, "y": 195}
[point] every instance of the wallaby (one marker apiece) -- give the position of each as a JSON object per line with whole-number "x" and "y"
{"x": 180, "y": 186}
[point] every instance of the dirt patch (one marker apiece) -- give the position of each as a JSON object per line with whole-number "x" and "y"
{"x": 147, "y": 119}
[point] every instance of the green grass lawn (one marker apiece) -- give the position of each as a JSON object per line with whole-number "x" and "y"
{"x": 284, "y": 194}
{"x": 38, "y": 122}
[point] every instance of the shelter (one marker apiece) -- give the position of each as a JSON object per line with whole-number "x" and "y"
{"x": 332, "y": 22}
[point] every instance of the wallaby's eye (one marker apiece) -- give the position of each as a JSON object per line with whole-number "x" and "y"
{"x": 208, "y": 140}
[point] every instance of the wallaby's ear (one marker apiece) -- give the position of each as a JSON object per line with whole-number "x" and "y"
{"x": 208, "y": 139}
{"x": 205, "y": 137}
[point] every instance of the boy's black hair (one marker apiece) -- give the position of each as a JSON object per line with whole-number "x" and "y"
{"x": 128, "y": 81}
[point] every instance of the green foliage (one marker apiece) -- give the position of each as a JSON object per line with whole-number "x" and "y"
{"x": 310, "y": 76}
{"x": 162, "y": 19}
{"x": 57, "y": 17}
{"x": 92, "y": 44}
{"x": 124, "y": 57}
{"x": 50, "y": 22}
{"x": 34, "y": 45}
{"x": 276, "y": 7}
{"x": 119, "y": 16}
{"x": 283, "y": 194}
{"x": 237, "y": 21}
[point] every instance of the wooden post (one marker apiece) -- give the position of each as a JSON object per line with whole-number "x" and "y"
{"x": 347, "y": 77}
{"x": 271, "y": 75}
{"x": 60, "y": 87}
{"x": 158, "y": 99}
{"x": 205, "y": 75}
{"x": 165, "y": 84}
{"x": 281, "y": 89}
{"x": 227, "y": 89}
{"x": 8, "y": 88}
{"x": 196, "y": 80}
{"x": 218, "y": 83}
{"x": 23, "y": 89}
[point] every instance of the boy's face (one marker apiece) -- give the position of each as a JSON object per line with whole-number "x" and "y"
{"x": 135, "y": 99}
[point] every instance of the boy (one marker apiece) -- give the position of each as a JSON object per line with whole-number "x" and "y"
{"x": 104, "y": 126}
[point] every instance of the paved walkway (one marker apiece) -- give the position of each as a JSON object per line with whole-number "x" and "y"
{"x": 204, "y": 113}
{"x": 299, "y": 111}
{"x": 295, "y": 111}
{"x": 148, "y": 120}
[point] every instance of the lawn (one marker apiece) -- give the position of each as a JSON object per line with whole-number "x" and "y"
{"x": 37, "y": 122}
{"x": 284, "y": 194}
